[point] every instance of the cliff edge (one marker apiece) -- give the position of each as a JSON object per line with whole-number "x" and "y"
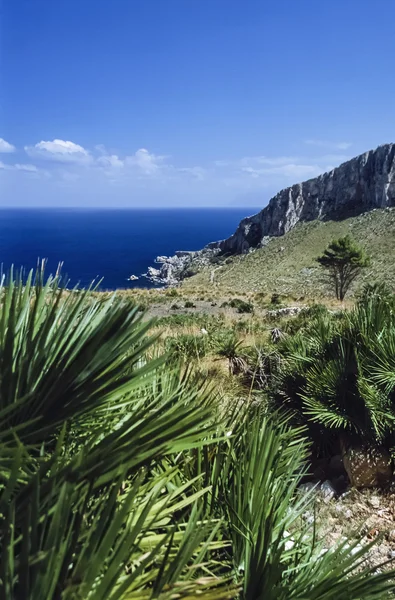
{"x": 358, "y": 185}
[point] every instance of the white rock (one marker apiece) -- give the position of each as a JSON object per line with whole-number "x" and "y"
{"x": 374, "y": 501}
{"x": 308, "y": 517}
{"x": 290, "y": 543}
{"x": 327, "y": 491}
{"x": 308, "y": 487}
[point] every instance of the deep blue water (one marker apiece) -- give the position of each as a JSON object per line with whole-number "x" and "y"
{"x": 108, "y": 244}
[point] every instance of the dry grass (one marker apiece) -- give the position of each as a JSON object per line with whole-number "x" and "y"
{"x": 287, "y": 264}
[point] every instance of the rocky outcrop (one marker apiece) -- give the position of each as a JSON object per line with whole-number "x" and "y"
{"x": 359, "y": 185}
{"x": 183, "y": 264}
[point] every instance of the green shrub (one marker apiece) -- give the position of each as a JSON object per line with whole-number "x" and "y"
{"x": 216, "y": 260}
{"x": 240, "y": 305}
{"x": 376, "y": 290}
{"x": 304, "y": 318}
{"x": 187, "y": 346}
{"x": 121, "y": 479}
{"x": 189, "y": 304}
{"x": 172, "y": 292}
{"x": 339, "y": 375}
{"x": 188, "y": 272}
{"x": 275, "y": 299}
{"x": 227, "y": 344}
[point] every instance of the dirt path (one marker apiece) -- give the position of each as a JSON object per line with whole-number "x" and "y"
{"x": 212, "y": 274}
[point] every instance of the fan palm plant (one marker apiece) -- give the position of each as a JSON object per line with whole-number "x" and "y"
{"x": 118, "y": 479}
{"x": 253, "y": 476}
{"x": 340, "y": 374}
{"x": 229, "y": 346}
{"x": 83, "y": 419}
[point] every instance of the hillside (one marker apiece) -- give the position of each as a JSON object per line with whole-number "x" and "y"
{"x": 287, "y": 264}
{"x": 361, "y": 185}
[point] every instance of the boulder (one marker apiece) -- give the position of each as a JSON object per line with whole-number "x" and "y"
{"x": 368, "y": 467}
{"x": 327, "y": 491}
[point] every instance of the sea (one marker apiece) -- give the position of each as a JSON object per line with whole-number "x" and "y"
{"x": 107, "y": 245}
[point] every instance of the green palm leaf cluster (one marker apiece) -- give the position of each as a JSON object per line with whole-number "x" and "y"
{"x": 340, "y": 373}
{"x": 122, "y": 479}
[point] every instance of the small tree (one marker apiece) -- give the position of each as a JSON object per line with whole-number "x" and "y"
{"x": 343, "y": 260}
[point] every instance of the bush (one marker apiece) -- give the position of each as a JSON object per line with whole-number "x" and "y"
{"x": 275, "y": 299}
{"x": 187, "y": 346}
{"x": 211, "y": 322}
{"x": 188, "y": 272}
{"x": 263, "y": 367}
{"x": 189, "y": 304}
{"x": 172, "y": 292}
{"x": 121, "y": 479}
{"x": 228, "y": 345}
{"x": 339, "y": 376}
{"x": 240, "y": 305}
{"x": 304, "y": 318}
{"x": 380, "y": 290}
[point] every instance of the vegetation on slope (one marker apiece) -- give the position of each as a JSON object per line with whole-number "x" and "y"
{"x": 123, "y": 476}
{"x": 338, "y": 375}
{"x": 287, "y": 264}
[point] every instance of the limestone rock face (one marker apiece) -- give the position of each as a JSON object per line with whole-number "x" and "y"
{"x": 359, "y": 185}
{"x": 175, "y": 268}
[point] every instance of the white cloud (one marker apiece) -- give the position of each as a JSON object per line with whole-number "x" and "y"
{"x": 6, "y": 147}
{"x": 26, "y": 167}
{"x": 59, "y": 151}
{"x": 147, "y": 163}
{"x": 291, "y": 170}
{"x": 195, "y": 172}
{"x": 330, "y": 145}
{"x": 81, "y": 170}
{"x": 269, "y": 161}
{"x": 334, "y": 158}
{"x": 288, "y": 169}
{"x": 110, "y": 161}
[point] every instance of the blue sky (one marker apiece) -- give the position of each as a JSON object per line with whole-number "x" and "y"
{"x": 187, "y": 102}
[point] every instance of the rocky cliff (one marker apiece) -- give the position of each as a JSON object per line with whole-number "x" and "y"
{"x": 359, "y": 185}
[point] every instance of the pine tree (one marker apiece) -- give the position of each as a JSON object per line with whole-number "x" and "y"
{"x": 343, "y": 260}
